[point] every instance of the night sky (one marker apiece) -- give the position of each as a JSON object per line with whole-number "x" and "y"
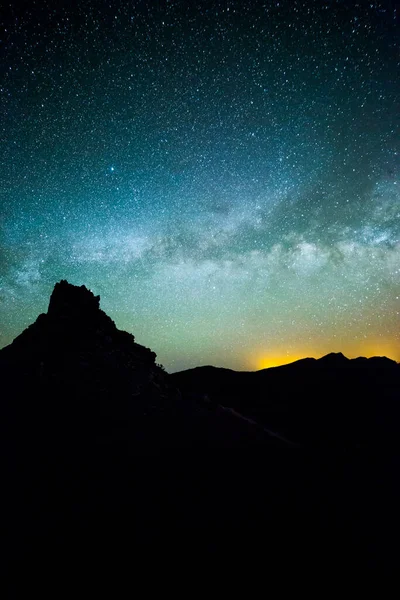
{"x": 223, "y": 174}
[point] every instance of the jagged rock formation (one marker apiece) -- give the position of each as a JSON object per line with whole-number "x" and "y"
{"x": 73, "y": 329}
{"x": 73, "y": 370}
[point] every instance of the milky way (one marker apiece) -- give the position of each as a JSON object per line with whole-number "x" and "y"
{"x": 223, "y": 174}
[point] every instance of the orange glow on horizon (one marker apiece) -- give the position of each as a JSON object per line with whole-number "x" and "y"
{"x": 266, "y": 362}
{"x": 369, "y": 349}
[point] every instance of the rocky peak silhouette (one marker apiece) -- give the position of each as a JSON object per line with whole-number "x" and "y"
{"x": 75, "y": 324}
{"x": 81, "y": 368}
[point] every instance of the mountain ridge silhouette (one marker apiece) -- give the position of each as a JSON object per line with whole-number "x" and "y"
{"x": 331, "y": 401}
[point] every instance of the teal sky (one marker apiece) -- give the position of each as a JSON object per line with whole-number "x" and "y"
{"x": 224, "y": 175}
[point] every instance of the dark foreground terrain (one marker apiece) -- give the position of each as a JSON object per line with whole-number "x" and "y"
{"x": 119, "y": 479}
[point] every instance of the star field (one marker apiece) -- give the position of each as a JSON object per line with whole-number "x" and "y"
{"x": 223, "y": 174}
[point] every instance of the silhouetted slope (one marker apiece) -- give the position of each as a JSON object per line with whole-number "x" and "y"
{"x": 93, "y": 442}
{"x": 332, "y": 401}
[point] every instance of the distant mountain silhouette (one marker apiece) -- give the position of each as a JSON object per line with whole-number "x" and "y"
{"x": 333, "y": 401}
{"x": 114, "y": 472}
